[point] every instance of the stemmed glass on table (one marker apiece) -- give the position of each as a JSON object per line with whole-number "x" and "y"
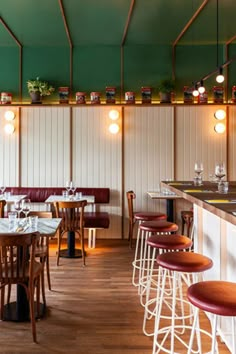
{"x": 220, "y": 171}
{"x": 198, "y": 169}
{"x": 26, "y": 206}
{"x": 2, "y": 188}
{"x": 72, "y": 188}
{"x": 18, "y": 206}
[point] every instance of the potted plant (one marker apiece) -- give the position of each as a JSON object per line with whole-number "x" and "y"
{"x": 37, "y": 89}
{"x": 165, "y": 89}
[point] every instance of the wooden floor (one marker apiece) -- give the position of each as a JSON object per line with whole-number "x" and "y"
{"x": 91, "y": 310}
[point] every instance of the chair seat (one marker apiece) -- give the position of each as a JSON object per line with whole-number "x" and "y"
{"x": 184, "y": 262}
{"x": 218, "y": 297}
{"x": 170, "y": 242}
{"x": 148, "y": 216}
{"x": 159, "y": 226}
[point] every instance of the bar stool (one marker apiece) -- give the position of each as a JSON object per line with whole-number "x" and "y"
{"x": 139, "y": 217}
{"x": 142, "y": 260}
{"x": 161, "y": 243}
{"x": 217, "y": 298}
{"x": 178, "y": 263}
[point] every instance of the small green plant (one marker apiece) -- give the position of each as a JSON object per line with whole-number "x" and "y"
{"x": 42, "y": 87}
{"x": 166, "y": 86}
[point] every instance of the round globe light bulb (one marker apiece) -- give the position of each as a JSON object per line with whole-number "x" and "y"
{"x": 201, "y": 89}
{"x": 9, "y": 128}
{"x": 114, "y": 114}
{"x": 219, "y": 128}
{"x": 9, "y": 115}
{"x": 195, "y": 93}
{"x": 220, "y": 114}
{"x": 220, "y": 78}
{"x": 114, "y": 128}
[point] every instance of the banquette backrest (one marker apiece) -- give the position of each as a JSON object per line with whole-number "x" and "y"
{"x": 40, "y": 194}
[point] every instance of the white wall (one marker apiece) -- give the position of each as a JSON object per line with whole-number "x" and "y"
{"x": 53, "y": 142}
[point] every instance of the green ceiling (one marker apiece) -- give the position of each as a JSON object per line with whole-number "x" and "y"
{"x": 102, "y": 22}
{"x": 98, "y": 28}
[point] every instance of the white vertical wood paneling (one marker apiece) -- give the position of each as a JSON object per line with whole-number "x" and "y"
{"x": 97, "y": 159}
{"x": 232, "y": 143}
{"x": 9, "y": 149}
{"x": 45, "y": 146}
{"x": 148, "y": 153}
{"x": 197, "y": 140}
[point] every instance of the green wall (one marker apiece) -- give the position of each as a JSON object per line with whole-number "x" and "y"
{"x": 95, "y": 67}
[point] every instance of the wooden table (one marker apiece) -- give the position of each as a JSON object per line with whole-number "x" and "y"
{"x": 169, "y": 202}
{"x": 19, "y": 310}
{"x": 70, "y": 251}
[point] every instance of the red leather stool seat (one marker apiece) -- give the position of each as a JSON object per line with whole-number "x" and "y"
{"x": 169, "y": 242}
{"x": 184, "y": 262}
{"x": 159, "y": 226}
{"x": 218, "y": 297}
{"x": 148, "y": 216}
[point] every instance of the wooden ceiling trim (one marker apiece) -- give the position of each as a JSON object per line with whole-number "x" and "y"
{"x": 131, "y": 8}
{"x": 20, "y": 54}
{"x": 232, "y": 39}
{"x": 184, "y": 30}
{"x": 70, "y": 43}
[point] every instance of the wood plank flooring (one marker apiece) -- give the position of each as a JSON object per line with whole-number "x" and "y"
{"x": 91, "y": 310}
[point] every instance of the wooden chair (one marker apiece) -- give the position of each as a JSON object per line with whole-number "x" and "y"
{"x": 2, "y": 206}
{"x": 72, "y": 214}
{"x": 42, "y": 251}
{"x": 18, "y": 267}
{"x": 139, "y": 216}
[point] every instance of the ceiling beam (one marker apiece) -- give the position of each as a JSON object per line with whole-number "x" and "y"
{"x": 20, "y": 54}
{"x": 184, "y": 30}
{"x": 70, "y": 44}
{"x": 131, "y": 8}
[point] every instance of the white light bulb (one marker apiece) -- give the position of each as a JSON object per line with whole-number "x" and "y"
{"x": 9, "y": 115}
{"x": 220, "y": 78}
{"x": 9, "y": 128}
{"x": 195, "y": 93}
{"x": 114, "y": 114}
{"x": 219, "y": 128}
{"x": 201, "y": 89}
{"x": 114, "y": 128}
{"x": 220, "y": 114}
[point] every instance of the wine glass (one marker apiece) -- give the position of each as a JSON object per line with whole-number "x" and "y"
{"x": 26, "y": 206}
{"x": 68, "y": 186}
{"x": 72, "y": 188}
{"x": 220, "y": 171}
{"x": 198, "y": 168}
{"x": 18, "y": 207}
{"x": 2, "y": 188}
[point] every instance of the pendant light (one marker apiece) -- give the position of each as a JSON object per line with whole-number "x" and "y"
{"x": 195, "y": 91}
{"x": 220, "y": 77}
{"x": 201, "y": 88}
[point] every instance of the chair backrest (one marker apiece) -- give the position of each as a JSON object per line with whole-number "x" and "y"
{"x": 2, "y": 205}
{"x": 130, "y": 197}
{"x": 41, "y": 214}
{"x": 17, "y": 254}
{"x": 72, "y": 214}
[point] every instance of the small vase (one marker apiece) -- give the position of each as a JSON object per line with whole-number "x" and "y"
{"x": 36, "y": 98}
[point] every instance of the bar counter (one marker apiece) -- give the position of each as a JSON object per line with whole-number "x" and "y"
{"x": 205, "y": 195}
{"x": 214, "y": 232}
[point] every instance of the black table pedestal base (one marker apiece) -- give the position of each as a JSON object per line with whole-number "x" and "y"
{"x": 75, "y": 253}
{"x": 11, "y": 314}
